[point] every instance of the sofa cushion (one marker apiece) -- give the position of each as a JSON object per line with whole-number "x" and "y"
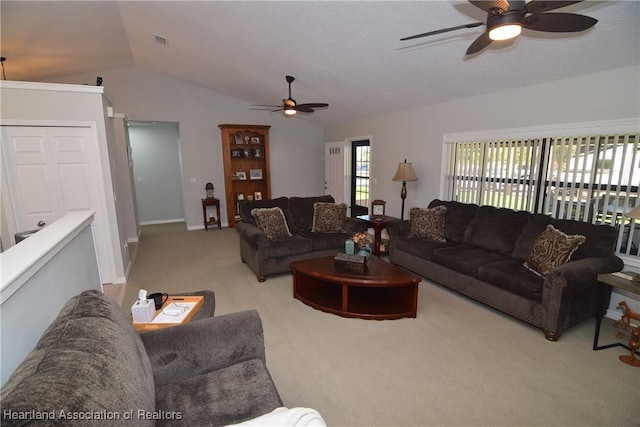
{"x": 302, "y": 211}
{"x": 466, "y": 259}
{"x": 271, "y": 221}
{"x": 236, "y": 393}
{"x": 512, "y": 276}
{"x": 422, "y": 248}
{"x": 286, "y": 246}
{"x": 457, "y": 218}
{"x": 601, "y": 239}
{"x": 90, "y": 359}
{"x": 551, "y": 249}
{"x": 324, "y": 241}
{"x": 495, "y": 229}
{"x": 246, "y": 206}
{"x": 329, "y": 217}
{"x": 427, "y": 223}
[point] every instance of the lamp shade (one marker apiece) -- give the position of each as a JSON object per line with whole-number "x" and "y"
{"x": 634, "y": 213}
{"x": 405, "y": 172}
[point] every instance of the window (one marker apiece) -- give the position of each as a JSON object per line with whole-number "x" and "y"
{"x": 591, "y": 177}
{"x": 361, "y": 162}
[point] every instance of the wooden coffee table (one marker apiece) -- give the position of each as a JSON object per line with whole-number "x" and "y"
{"x": 383, "y": 291}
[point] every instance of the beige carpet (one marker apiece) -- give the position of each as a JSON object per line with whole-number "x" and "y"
{"x": 457, "y": 363}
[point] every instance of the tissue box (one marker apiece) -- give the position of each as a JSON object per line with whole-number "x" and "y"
{"x": 143, "y": 311}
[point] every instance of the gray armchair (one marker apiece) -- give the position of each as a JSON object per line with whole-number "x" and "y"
{"x": 91, "y": 360}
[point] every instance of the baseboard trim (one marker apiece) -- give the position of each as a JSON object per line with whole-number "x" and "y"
{"x": 162, "y": 221}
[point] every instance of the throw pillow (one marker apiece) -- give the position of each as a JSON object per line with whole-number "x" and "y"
{"x": 552, "y": 249}
{"x": 427, "y": 223}
{"x": 329, "y": 217}
{"x": 271, "y": 221}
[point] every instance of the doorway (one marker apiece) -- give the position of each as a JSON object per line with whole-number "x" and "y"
{"x": 360, "y": 185}
{"x": 157, "y": 171}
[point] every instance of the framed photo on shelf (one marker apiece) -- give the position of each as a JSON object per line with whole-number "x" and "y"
{"x": 255, "y": 174}
{"x": 249, "y": 197}
{"x": 256, "y": 152}
{"x": 236, "y": 153}
{"x": 257, "y": 195}
{"x": 241, "y": 176}
{"x": 246, "y": 139}
{"x": 239, "y": 197}
{"x": 255, "y": 140}
{"x": 238, "y": 139}
{"x": 246, "y": 152}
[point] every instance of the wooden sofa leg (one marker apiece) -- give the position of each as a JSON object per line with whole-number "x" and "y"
{"x": 261, "y": 279}
{"x": 551, "y": 336}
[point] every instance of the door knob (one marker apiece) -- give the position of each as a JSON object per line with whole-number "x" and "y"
{"x": 41, "y": 223}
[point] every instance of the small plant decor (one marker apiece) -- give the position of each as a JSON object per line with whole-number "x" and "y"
{"x": 361, "y": 239}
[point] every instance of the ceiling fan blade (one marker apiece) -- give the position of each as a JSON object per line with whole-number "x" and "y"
{"x": 304, "y": 109}
{"x": 538, "y": 6}
{"x": 275, "y": 111}
{"x": 479, "y": 43}
{"x": 264, "y": 107}
{"x": 313, "y": 105}
{"x": 488, "y": 6}
{"x": 444, "y": 30}
{"x": 559, "y": 22}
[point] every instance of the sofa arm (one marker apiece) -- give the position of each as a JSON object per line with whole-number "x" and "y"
{"x": 252, "y": 234}
{"x": 580, "y": 274}
{"x": 203, "y": 346}
{"x": 399, "y": 228}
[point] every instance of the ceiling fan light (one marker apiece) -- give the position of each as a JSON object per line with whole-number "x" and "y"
{"x": 289, "y": 111}
{"x": 505, "y": 32}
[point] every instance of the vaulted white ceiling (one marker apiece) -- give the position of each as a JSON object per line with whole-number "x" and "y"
{"x": 346, "y": 53}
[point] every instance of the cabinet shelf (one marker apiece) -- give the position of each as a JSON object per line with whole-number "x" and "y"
{"x": 245, "y": 148}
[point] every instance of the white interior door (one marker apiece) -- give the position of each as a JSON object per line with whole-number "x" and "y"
{"x": 33, "y": 183}
{"x": 52, "y": 171}
{"x": 336, "y": 172}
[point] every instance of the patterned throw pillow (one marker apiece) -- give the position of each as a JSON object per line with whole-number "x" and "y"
{"x": 427, "y": 223}
{"x": 329, "y": 217}
{"x": 552, "y": 249}
{"x": 271, "y": 221}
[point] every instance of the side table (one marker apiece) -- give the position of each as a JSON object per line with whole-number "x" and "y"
{"x": 614, "y": 281}
{"x": 378, "y": 224}
{"x": 211, "y": 221}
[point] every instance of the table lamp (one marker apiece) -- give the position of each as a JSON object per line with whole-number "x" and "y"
{"x": 404, "y": 173}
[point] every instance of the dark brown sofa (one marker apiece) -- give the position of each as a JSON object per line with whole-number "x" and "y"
{"x": 483, "y": 258}
{"x": 267, "y": 257}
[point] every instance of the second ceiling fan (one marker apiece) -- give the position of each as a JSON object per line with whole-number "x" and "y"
{"x": 505, "y": 20}
{"x": 289, "y": 105}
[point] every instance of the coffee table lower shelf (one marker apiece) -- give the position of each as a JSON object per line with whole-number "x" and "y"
{"x": 345, "y": 298}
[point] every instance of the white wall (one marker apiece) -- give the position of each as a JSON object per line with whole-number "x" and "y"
{"x": 156, "y": 169}
{"x": 41, "y": 104}
{"x": 296, "y": 146}
{"x": 39, "y": 275}
{"x": 123, "y": 181}
{"x": 418, "y": 134}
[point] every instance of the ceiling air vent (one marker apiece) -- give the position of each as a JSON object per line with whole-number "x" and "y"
{"x": 161, "y": 40}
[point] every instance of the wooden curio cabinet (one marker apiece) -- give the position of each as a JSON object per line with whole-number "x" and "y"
{"x": 245, "y": 151}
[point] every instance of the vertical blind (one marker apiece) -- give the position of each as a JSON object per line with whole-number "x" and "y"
{"x": 591, "y": 178}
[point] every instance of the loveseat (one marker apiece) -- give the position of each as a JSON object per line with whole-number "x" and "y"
{"x": 267, "y": 255}
{"x": 487, "y": 253}
{"x": 91, "y": 367}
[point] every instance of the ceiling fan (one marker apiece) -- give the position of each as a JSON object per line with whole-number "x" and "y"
{"x": 289, "y": 105}
{"x": 505, "y": 20}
